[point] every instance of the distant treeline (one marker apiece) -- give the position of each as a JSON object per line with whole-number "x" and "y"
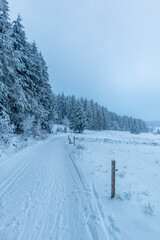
{"x": 153, "y": 124}
{"x": 86, "y": 114}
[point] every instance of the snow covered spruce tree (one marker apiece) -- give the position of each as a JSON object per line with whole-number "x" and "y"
{"x": 19, "y": 113}
{"x": 78, "y": 120}
{"x": 6, "y": 73}
{"x": 134, "y": 128}
{"x": 25, "y": 92}
{"x": 7, "y": 76}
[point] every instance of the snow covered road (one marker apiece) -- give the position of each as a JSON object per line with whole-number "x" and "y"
{"x": 44, "y": 196}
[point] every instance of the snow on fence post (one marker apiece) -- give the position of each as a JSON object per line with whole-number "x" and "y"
{"x": 113, "y": 169}
{"x": 74, "y": 140}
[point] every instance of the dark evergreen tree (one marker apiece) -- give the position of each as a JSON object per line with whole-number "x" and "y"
{"x": 134, "y": 129}
{"x": 6, "y": 59}
{"x": 78, "y": 121}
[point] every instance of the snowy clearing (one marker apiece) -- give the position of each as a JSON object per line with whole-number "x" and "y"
{"x": 56, "y": 191}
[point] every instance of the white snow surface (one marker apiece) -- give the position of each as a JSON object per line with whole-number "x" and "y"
{"x": 53, "y": 190}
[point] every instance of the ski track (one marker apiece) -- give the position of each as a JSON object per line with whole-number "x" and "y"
{"x": 44, "y": 196}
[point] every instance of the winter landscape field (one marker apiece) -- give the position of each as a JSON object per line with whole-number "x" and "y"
{"x": 55, "y": 190}
{"x": 79, "y": 120}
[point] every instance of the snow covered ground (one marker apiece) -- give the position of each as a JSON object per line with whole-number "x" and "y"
{"x": 56, "y": 191}
{"x": 135, "y": 212}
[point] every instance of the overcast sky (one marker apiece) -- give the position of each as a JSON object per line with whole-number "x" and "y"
{"x": 108, "y": 50}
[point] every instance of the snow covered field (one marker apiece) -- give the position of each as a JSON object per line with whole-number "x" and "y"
{"x": 135, "y": 212}
{"x": 56, "y": 191}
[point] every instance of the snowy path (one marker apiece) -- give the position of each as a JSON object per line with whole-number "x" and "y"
{"x": 43, "y": 196}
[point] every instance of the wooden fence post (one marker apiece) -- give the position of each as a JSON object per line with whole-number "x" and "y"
{"x": 113, "y": 169}
{"x": 74, "y": 140}
{"x": 69, "y": 139}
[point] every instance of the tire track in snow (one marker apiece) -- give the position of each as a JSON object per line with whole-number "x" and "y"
{"x": 96, "y": 218}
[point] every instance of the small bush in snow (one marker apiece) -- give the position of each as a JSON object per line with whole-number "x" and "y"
{"x": 121, "y": 174}
{"x": 125, "y": 196}
{"x": 79, "y": 147}
{"x": 149, "y": 209}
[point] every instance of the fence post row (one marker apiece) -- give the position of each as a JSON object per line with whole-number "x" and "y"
{"x": 74, "y": 140}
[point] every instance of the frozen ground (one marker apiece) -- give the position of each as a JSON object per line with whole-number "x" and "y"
{"x": 55, "y": 191}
